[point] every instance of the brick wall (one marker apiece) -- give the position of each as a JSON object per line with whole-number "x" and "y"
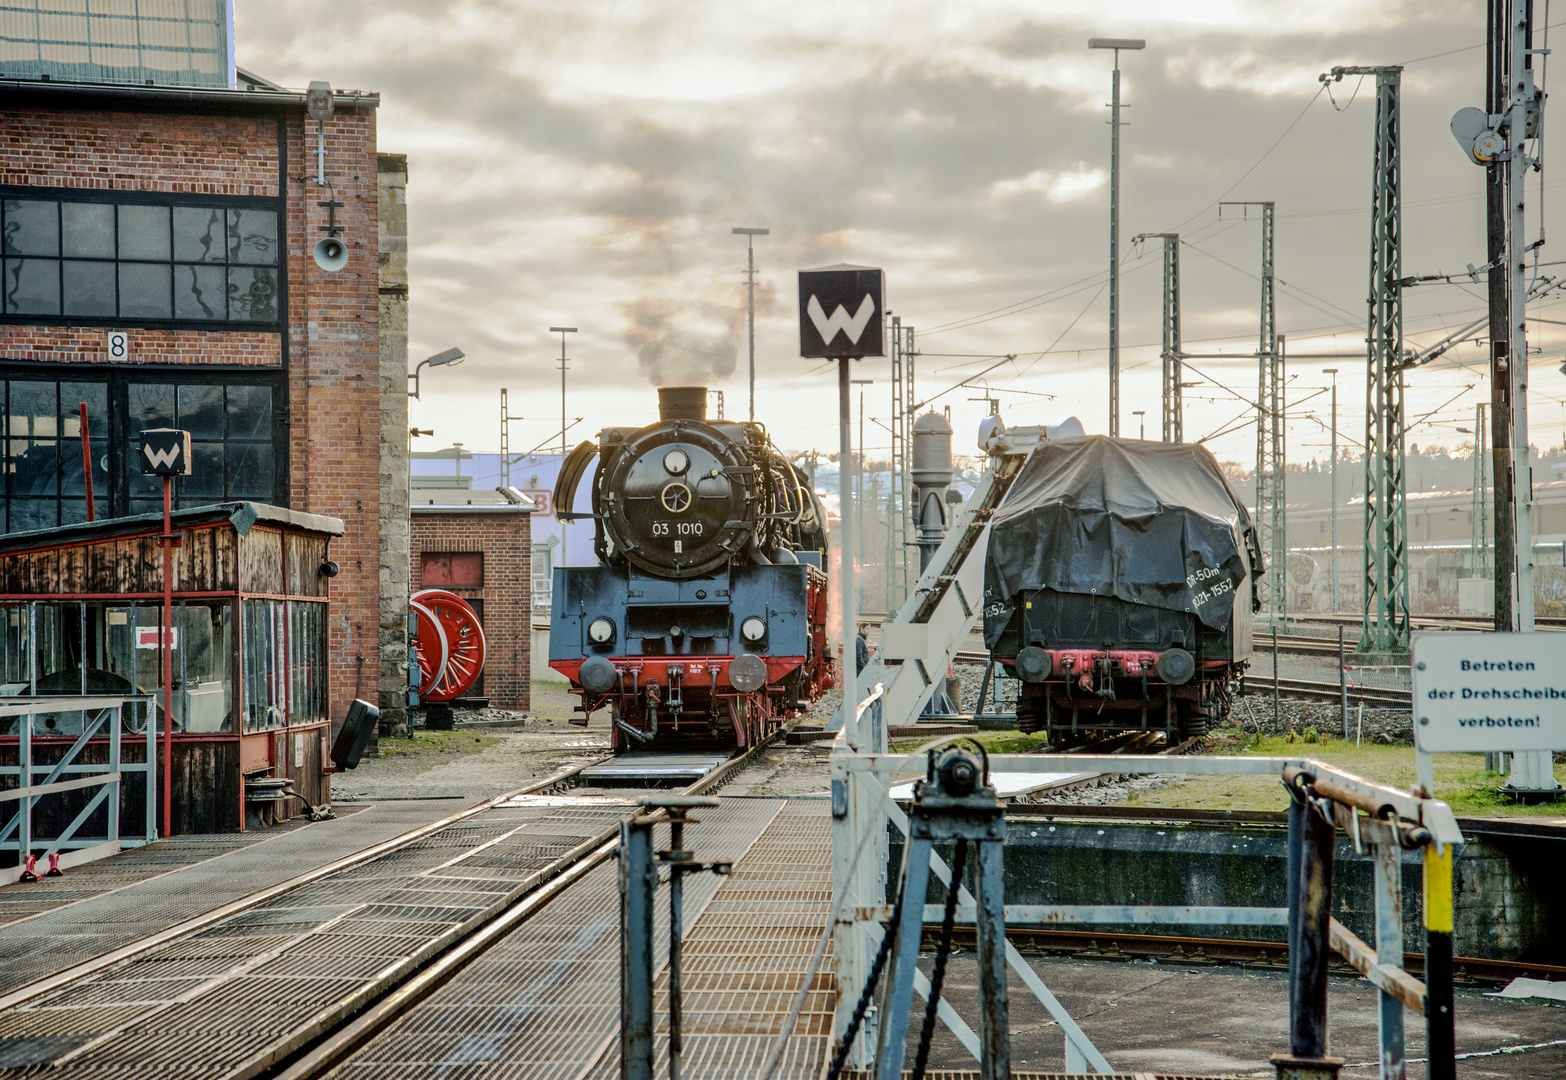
{"x": 505, "y": 538}
{"x": 334, "y": 363}
{"x": 331, "y": 343}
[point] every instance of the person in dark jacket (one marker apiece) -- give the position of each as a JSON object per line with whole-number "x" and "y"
{"x": 862, "y": 648}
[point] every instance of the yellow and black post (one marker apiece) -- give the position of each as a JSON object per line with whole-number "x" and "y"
{"x": 1439, "y": 1023}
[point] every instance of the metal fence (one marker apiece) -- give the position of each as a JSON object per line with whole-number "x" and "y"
{"x": 1378, "y": 818}
{"x": 33, "y": 724}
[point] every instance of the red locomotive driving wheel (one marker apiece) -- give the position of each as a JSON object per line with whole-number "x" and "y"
{"x": 454, "y": 671}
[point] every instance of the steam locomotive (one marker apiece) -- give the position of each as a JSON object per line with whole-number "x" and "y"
{"x": 1119, "y": 588}
{"x": 705, "y": 622}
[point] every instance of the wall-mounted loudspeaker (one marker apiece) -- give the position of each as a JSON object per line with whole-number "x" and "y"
{"x": 331, "y": 253}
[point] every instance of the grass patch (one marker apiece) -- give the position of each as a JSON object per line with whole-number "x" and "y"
{"x": 437, "y": 742}
{"x": 994, "y": 742}
{"x": 1460, "y": 779}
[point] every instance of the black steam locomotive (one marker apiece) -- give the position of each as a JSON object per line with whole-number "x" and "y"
{"x": 1119, "y": 587}
{"x": 706, "y": 620}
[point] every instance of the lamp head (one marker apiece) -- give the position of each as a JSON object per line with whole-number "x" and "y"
{"x": 562, "y": 329}
{"x": 750, "y": 232}
{"x": 452, "y": 355}
{"x": 1116, "y": 43}
{"x": 318, "y": 100}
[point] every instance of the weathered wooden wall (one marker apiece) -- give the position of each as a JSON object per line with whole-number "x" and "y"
{"x": 296, "y": 754}
{"x": 206, "y": 560}
{"x": 206, "y": 785}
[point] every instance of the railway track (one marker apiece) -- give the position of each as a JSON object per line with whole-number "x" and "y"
{"x": 1102, "y": 943}
{"x": 1381, "y": 697}
{"x": 434, "y": 916}
{"x": 1377, "y": 696}
{"x": 1418, "y": 622}
{"x": 318, "y": 1040}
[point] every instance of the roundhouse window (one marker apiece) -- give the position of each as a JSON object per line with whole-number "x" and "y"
{"x": 163, "y": 262}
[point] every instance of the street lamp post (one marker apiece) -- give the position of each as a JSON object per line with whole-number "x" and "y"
{"x": 562, "y": 331}
{"x": 1332, "y": 560}
{"x": 750, "y": 282}
{"x": 1114, "y": 225}
{"x": 441, "y": 359}
{"x": 1141, "y": 418}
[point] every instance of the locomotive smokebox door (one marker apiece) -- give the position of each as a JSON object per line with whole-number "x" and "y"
{"x": 164, "y": 452}
{"x": 840, "y": 310}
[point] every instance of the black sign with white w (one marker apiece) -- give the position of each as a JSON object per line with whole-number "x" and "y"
{"x": 840, "y": 311}
{"x": 164, "y": 452}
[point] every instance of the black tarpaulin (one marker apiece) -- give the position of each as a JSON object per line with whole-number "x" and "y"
{"x": 1151, "y": 523}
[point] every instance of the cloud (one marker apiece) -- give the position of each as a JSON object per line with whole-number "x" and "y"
{"x": 1057, "y": 185}
{"x": 583, "y": 164}
{"x": 683, "y": 342}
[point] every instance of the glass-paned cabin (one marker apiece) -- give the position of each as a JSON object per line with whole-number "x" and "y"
{"x": 81, "y": 611}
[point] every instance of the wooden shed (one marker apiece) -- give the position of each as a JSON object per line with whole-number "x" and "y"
{"x": 81, "y": 610}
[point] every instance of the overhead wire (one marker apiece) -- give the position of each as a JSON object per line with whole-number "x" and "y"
{"x": 1064, "y": 332}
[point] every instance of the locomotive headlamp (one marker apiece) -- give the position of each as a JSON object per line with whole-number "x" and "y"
{"x": 753, "y": 629}
{"x": 675, "y": 462}
{"x": 600, "y": 631}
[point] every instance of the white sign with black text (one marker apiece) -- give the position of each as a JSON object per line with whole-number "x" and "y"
{"x": 1478, "y": 692}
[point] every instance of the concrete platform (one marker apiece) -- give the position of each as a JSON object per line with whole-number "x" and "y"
{"x": 1163, "y": 1019}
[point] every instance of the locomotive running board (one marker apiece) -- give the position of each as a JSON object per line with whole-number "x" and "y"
{"x": 938, "y": 615}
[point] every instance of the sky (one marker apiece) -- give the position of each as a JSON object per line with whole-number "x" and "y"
{"x": 582, "y": 163}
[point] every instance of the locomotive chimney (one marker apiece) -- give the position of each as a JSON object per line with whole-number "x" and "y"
{"x": 682, "y": 403}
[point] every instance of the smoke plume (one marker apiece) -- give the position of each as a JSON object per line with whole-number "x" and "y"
{"x": 683, "y": 343}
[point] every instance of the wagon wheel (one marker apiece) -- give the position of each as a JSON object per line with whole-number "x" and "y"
{"x": 464, "y": 643}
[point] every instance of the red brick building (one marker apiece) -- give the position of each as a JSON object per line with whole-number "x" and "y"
{"x": 483, "y": 553}
{"x": 158, "y": 266}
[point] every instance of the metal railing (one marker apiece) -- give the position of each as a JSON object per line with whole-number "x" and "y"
{"x": 107, "y": 719}
{"x": 1379, "y": 819}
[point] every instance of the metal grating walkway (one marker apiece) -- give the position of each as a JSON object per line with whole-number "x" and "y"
{"x": 544, "y": 1004}
{"x": 747, "y": 954}
{"x": 212, "y": 1002}
{"x": 24, "y": 900}
{"x": 184, "y": 882}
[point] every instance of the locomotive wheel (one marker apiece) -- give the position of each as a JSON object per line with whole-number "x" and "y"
{"x": 430, "y": 645}
{"x": 464, "y": 644}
